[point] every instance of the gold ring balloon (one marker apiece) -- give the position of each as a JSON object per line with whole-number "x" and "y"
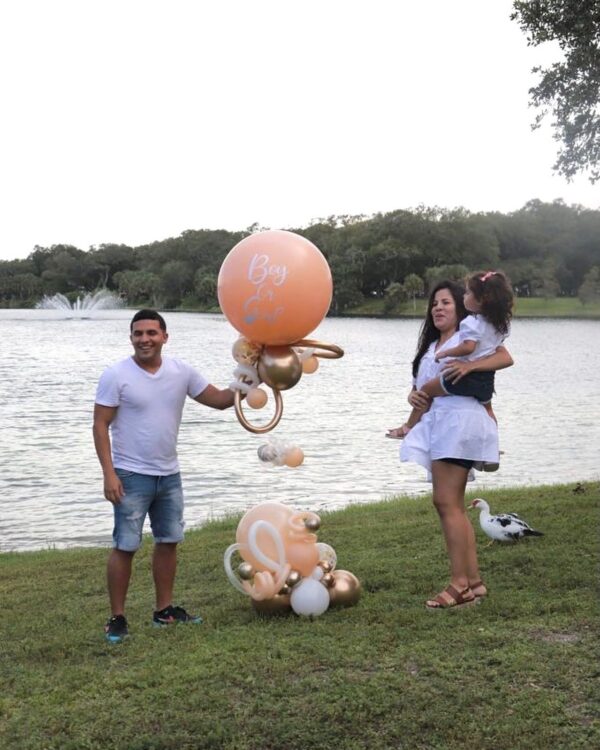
{"x": 274, "y": 287}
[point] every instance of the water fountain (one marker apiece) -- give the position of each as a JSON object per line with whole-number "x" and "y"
{"x": 83, "y": 306}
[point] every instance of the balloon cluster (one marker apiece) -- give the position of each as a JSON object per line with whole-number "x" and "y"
{"x": 274, "y": 287}
{"x": 279, "y": 453}
{"x": 284, "y": 566}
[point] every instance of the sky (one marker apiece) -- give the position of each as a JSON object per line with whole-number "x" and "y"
{"x": 130, "y": 121}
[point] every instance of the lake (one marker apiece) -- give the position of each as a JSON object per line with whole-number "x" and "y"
{"x": 51, "y": 484}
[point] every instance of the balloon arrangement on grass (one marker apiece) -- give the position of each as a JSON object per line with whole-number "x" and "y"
{"x": 274, "y": 288}
{"x": 284, "y": 566}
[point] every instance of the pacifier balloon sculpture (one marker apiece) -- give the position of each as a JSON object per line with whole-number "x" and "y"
{"x": 274, "y": 287}
{"x": 284, "y": 567}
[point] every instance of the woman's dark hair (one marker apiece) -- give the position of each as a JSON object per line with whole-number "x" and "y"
{"x": 429, "y": 332}
{"x": 147, "y": 314}
{"x": 494, "y": 293}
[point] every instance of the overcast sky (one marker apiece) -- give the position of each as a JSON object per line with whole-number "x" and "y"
{"x": 131, "y": 121}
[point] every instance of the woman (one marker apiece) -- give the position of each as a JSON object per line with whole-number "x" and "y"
{"x": 453, "y": 437}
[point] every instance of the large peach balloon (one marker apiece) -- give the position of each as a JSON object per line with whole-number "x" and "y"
{"x": 302, "y": 556}
{"x": 275, "y": 287}
{"x": 276, "y": 514}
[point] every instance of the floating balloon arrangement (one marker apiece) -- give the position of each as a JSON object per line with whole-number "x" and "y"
{"x": 274, "y": 288}
{"x": 283, "y": 565}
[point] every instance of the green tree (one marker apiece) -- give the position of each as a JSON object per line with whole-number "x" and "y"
{"x": 456, "y": 272}
{"x": 589, "y": 291}
{"x": 138, "y": 287}
{"x": 413, "y": 286}
{"x": 205, "y": 288}
{"x": 569, "y": 89}
{"x": 394, "y": 295}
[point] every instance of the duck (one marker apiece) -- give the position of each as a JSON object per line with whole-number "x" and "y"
{"x": 504, "y": 527}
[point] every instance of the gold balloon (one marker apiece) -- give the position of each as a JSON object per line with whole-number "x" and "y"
{"x": 328, "y": 580}
{"x": 346, "y": 589}
{"x": 293, "y": 578}
{"x": 245, "y": 571}
{"x": 279, "y": 367}
{"x": 312, "y": 523}
{"x": 277, "y": 605}
{"x": 325, "y": 565}
{"x": 285, "y": 590}
{"x": 310, "y": 365}
{"x": 246, "y": 352}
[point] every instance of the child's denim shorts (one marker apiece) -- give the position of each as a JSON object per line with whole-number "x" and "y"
{"x": 161, "y": 498}
{"x": 479, "y": 385}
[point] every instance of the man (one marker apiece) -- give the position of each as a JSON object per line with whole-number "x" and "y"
{"x": 141, "y": 400}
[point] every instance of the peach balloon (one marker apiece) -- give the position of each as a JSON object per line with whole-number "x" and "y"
{"x": 256, "y": 398}
{"x": 302, "y": 556}
{"x": 275, "y": 287}
{"x": 310, "y": 365}
{"x": 294, "y": 457}
{"x": 276, "y": 514}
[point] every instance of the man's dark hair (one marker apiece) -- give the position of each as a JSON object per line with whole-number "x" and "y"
{"x": 147, "y": 314}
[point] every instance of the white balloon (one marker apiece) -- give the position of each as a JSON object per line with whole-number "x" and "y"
{"x": 327, "y": 553}
{"x": 309, "y": 598}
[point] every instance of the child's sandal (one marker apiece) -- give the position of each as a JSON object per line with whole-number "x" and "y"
{"x": 454, "y": 599}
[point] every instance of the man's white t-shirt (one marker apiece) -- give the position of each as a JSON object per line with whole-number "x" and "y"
{"x": 144, "y": 430}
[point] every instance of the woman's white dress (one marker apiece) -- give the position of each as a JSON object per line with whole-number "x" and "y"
{"x": 454, "y": 426}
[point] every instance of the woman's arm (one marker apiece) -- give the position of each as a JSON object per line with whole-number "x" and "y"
{"x": 457, "y": 369}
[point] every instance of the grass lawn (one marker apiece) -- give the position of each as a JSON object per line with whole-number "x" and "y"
{"x": 519, "y": 671}
{"x": 525, "y": 307}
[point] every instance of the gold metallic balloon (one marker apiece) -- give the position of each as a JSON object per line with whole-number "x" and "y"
{"x": 312, "y": 523}
{"x": 325, "y": 565}
{"x": 346, "y": 589}
{"x": 277, "y": 605}
{"x": 245, "y": 351}
{"x": 279, "y": 367}
{"x": 328, "y": 580}
{"x": 245, "y": 571}
{"x": 293, "y": 578}
{"x": 285, "y": 590}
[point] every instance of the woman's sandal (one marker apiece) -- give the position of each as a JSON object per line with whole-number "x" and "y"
{"x": 456, "y": 599}
{"x": 398, "y": 432}
{"x": 479, "y": 585}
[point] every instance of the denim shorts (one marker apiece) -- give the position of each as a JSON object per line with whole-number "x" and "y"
{"x": 478, "y": 384}
{"x": 161, "y": 498}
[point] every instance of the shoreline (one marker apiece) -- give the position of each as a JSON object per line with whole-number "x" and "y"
{"x": 228, "y": 519}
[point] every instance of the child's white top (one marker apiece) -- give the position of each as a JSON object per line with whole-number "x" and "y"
{"x": 479, "y": 329}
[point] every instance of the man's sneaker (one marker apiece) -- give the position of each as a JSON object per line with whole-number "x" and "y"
{"x": 172, "y": 614}
{"x": 116, "y": 629}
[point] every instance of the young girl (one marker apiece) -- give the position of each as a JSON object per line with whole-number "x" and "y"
{"x": 489, "y": 298}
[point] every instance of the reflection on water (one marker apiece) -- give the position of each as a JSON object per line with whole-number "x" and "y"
{"x": 51, "y": 483}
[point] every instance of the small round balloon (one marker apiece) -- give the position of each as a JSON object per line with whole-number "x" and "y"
{"x": 274, "y": 287}
{"x": 309, "y": 598}
{"x": 346, "y": 589}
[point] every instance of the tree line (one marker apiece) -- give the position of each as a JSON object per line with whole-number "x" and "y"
{"x": 547, "y": 250}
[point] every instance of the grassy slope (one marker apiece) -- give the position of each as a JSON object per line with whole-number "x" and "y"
{"x": 516, "y": 672}
{"x": 559, "y": 307}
